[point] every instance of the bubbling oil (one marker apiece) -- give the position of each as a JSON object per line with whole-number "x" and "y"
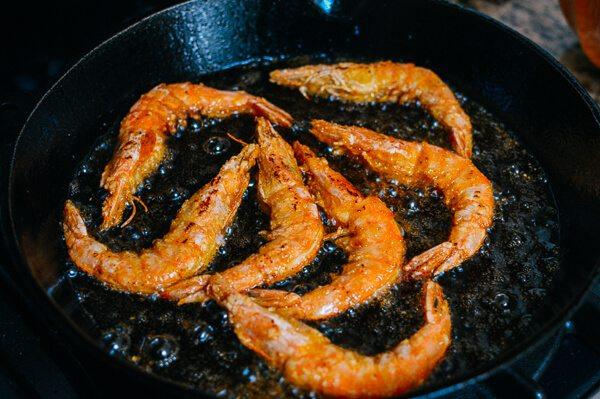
{"x": 493, "y": 296}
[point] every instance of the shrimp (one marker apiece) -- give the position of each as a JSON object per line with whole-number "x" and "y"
{"x": 467, "y": 192}
{"x": 372, "y": 240}
{"x": 144, "y": 131}
{"x": 309, "y": 360}
{"x": 189, "y": 246}
{"x": 385, "y": 82}
{"x": 296, "y": 228}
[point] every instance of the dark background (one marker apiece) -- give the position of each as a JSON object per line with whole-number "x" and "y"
{"x": 39, "y": 42}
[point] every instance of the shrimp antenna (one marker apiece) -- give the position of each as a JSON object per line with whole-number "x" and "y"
{"x": 130, "y": 218}
{"x": 138, "y": 199}
{"x": 236, "y": 139}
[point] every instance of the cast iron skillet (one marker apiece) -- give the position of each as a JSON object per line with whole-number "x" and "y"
{"x": 519, "y": 82}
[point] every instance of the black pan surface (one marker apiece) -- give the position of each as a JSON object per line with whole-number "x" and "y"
{"x": 521, "y": 86}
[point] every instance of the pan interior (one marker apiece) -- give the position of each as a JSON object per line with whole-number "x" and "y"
{"x": 497, "y": 298}
{"x": 533, "y": 96}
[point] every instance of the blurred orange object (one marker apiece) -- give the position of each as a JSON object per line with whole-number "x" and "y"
{"x": 584, "y": 18}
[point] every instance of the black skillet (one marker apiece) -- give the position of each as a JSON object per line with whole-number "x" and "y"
{"x": 519, "y": 82}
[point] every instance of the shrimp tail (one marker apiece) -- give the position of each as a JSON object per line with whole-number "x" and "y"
{"x": 114, "y": 207}
{"x": 462, "y": 142}
{"x": 73, "y": 222}
{"x": 184, "y": 291}
{"x": 267, "y": 110}
{"x": 425, "y": 265}
{"x": 138, "y": 152}
{"x": 197, "y": 297}
{"x": 76, "y": 231}
{"x": 274, "y": 298}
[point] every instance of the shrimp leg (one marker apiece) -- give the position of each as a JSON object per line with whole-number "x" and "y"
{"x": 144, "y": 131}
{"x": 309, "y": 360}
{"x": 296, "y": 229}
{"x": 467, "y": 192}
{"x": 189, "y": 246}
{"x": 385, "y": 82}
{"x": 373, "y": 242}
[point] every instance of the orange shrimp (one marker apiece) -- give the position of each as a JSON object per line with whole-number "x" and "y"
{"x": 467, "y": 192}
{"x": 385, "y": 82}
{"x": 144, "y": 131}
{"x": 309, "y": 360}
{"x": 372, "y": 240}
{"x": 296, "y": 229}
{"x": 189, "y": 246}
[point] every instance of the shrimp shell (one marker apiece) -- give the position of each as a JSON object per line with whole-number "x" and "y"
{"x": 144, "y": 131}
{"x": 296, "y": 229}
{"x": 309, "y": 360}
{"x": 372, "y": 240}
{"x": 191, "y": 243}
{"x": 467, "y": 192}
{"x": 384, "y": 82}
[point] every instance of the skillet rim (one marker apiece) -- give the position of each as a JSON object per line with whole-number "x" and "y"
{"x": 503, "y": 362}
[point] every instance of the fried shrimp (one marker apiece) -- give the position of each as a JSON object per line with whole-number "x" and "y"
{"x": 467, "y": 192}
{"x": 189, "y": 246}
{"x": 384, "y": 82}
{"x": 309, "y": 360}
{"x": 296, "y": 228}
{"x": 144, "y": 131}
{"x": 372, "y": 240}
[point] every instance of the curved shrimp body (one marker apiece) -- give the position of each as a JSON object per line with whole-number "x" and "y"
{"x": 189, "y": 246}
{"x": 144, "y": 131}
{"x": 385, "y": 82}
{"x": 296, "y": 229}
{"x": 372, "y": 240}
{"x": 467, "y": 192}
{"x": 309, "y": 360}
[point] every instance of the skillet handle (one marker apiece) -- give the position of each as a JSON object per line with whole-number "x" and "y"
{"x": 510, "y": 383}
{"x": 340, "y": 9}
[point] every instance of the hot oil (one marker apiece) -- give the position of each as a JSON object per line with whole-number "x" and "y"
{"x": 493, "y": 296}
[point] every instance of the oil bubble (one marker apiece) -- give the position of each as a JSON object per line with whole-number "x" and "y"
{"x": 117, "y": 340}
{"x": 72, "y": 272}
{"x": 329, "y": 247}
{"x": 176, "y": 193}
{"x": 502, "y": 302}
{"x": 194, "y": 126}
{"x": 161, "y": 349}
{"x": 412, "y": 207}
{"x": 216, "y": 145}
{"x": 179, "y": 131}
{"x": 203, "y": 333}
{"x": 248, "y": 374}
{"x": 435, "y": 194}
